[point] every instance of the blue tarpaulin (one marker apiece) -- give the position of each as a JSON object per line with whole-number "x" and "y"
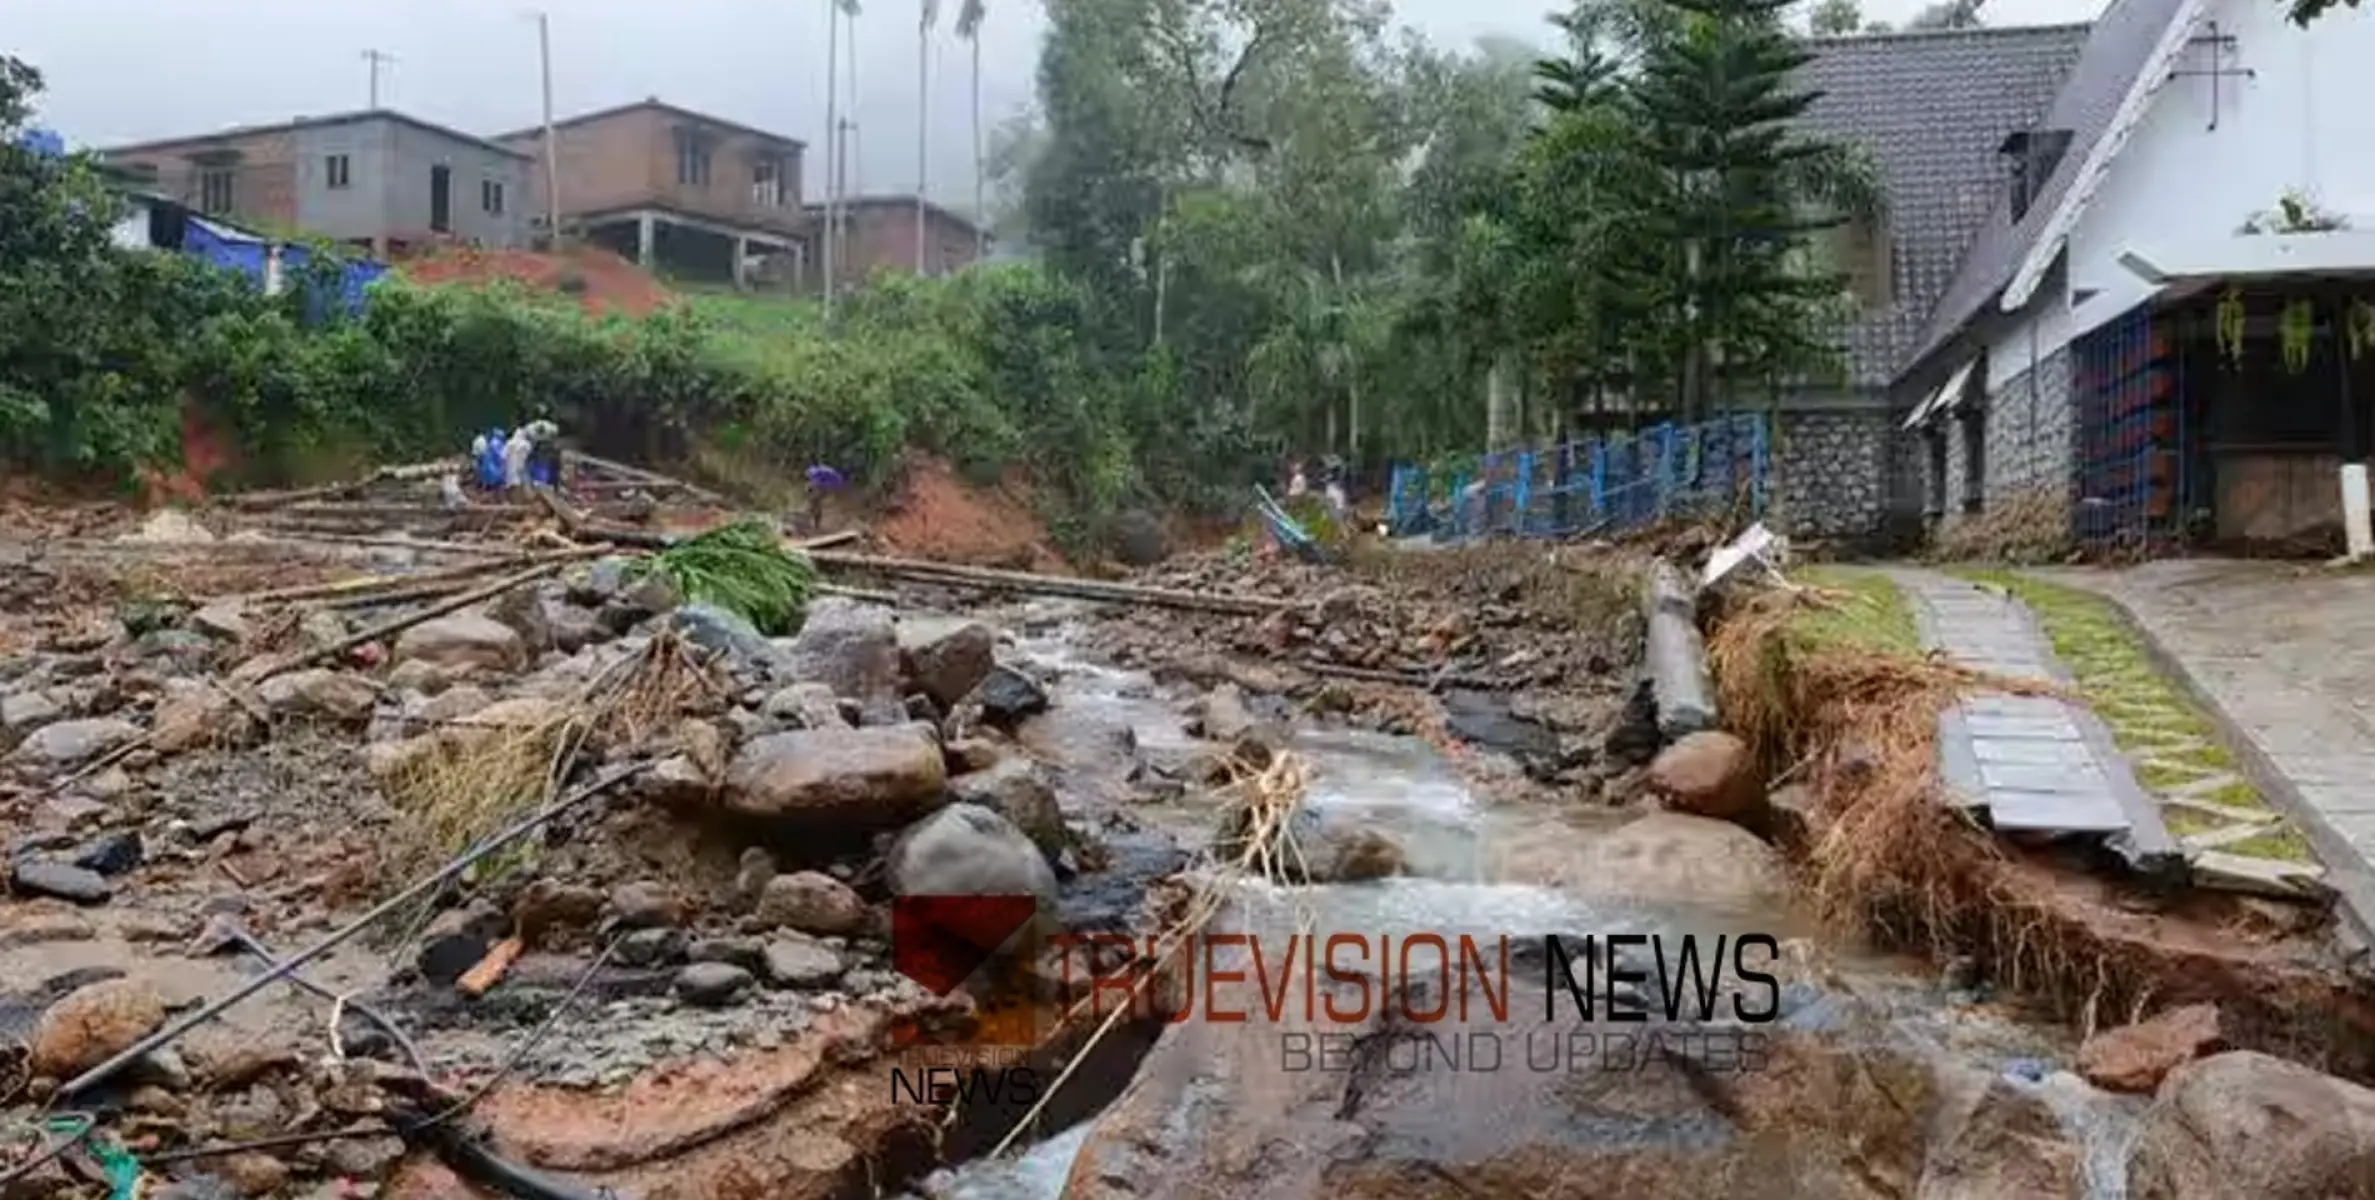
{"x": 246, "y": 255}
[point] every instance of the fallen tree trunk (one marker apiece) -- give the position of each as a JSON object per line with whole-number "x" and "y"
{"x": 652, "y": 478}
{"x": 408, "y": 471}
{"x": 374, "y": 583}
{"x": 1675, "y": 656}
{"x": 922, "y": 571}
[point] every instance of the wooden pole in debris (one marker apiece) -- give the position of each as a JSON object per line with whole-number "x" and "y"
{"x": 1050, "y": 585}
{"x": 396, "y": 625}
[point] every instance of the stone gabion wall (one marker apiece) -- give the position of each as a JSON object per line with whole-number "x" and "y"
{"x": 1832, "y": 473}
{"x": 2032, "y": 437}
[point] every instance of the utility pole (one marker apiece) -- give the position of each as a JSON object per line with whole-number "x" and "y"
{"x": 923, "y": 120}
{"x": 552, "y": 149}
{"x": 832, "y": 147}
{"x": 376, "y": 58}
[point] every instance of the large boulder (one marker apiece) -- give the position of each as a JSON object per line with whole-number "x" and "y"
{"x": 68, "y": 743}
{"x": 2135, "y": 1058}
{"x": 1139, "y": 539}
{"x": 1365, "y": 1101}
{"x": 319, "y": 692}
{"x": 850, "y": 647}
{"x": 463, "y": 639}
{"x": 193, "y": 713}
{"x": 1710, "y": 773}
{"x": 945, "y": 657}
{"x": 1017, "y": 790}
{"x": 876, "y": 777}
{"x": 1663, "y": 857}
{"x": 967, "y": 850}
{"x": 92, "y": 1024}
{"x": 2246, "y": 1124}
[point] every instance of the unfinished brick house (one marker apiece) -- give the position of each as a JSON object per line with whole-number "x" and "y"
{"x": 879, "y": 234}
{"x": 679, "y": 191}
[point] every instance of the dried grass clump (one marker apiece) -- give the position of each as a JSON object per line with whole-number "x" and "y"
{"x": 1888, "y": 858}
{"x": 2025, "y": 528}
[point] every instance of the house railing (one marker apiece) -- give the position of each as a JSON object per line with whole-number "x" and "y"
{"x": 1602, "y": 484}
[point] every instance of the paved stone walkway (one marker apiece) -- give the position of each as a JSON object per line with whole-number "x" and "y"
{"x": 2034, "y": 763}
{"x": 2284, "y": 658}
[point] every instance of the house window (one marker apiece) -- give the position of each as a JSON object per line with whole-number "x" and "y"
{"x": 490, "y": 196}
{"x": 214, "y": 190}
{"x": 692, "y": 160}
{"x": 336, "y": 171}
{"x": 766, "y": 183}
{"x": 2034, "y": 154}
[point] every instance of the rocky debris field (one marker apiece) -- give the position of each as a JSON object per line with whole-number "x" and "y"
{"x": 177, "y": 806}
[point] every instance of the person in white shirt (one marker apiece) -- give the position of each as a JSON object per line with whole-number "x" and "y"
{"x": 515, "y": 458}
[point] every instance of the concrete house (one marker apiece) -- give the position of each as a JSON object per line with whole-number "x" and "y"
{"x": 678, "y": 190}
{"x": 377, "y": 179}
{"x": 879, "y": 233}
{"x": 2159, "y": 330}
{"x": 1929, "y": 111}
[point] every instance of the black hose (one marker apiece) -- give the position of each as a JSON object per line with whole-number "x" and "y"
{"x": 473, "y": 1160}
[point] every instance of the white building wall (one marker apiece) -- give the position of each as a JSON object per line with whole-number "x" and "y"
{"x": 2302, "y": 121}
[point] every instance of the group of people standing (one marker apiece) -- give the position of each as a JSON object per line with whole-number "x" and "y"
{"x": 528, "y": 455}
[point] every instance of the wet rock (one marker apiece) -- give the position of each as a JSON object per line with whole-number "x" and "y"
{"x": 456, "y": 940}
{"x": 457, "y": 703}
{"x": 1671, "y": 857}
{"x": 1355, "y": 856}
{"x": 2135, "y": 1058}
{"x": 968, "y": 850}
{"x": 801, "y": 963}
{"x": 320, "y": 629}
{"x": 1016, "y": 790}
{"x": 1486, "y": 719}
{"x": 463, "y": 639}
{"x": 850, "y": 647}
{"x": 194, "y": 714}
{"x": 46, "y": 877}
{"x": 1710, "y": 773}
{"x": 254, "y": 1174}
{"x": 223, "y": 619}
{"x": 197, "y": 1187}
{"x": 652, "y": 947}
{"x": 319, "y": 692}
{"x": 2246, "y": 1124}
{"x": 362, "y": 1158}
{"x": 806, "y": 706}
{"x": 811, "y": 902}
{"x": 24, "y": 712}
{"x": 712, "y": 984}
{"x": 645, "y": 905}
{"x": 1789, "y": 817}
{"x": 111, "y": 853}
{"x": 752, "y": 872}
{"x": 93, "y": 1024}
{"x": 1218, "y": 1111}
{"x": 858, "y": 778}
{"x": 723, "y": 632}
{"x": 426, "y": 678}
{"x": 550, "y": 904}
{"x": 676, "y": 782}
{"x": 183, "y": 649}
{"x": 946, "y": 658}
{"x": 1138, "y": 538}
{"x": 529, "y": 611}
{"x": 966, "y": 755}
{"x": 1008, "y": 697}
{"x": 1221, "y": 715}
{"x": 2002, "y": 1141}
{"x": 68, "y": 743}
{"x": 599, "y": 581}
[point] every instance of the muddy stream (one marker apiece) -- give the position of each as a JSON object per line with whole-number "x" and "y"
{"x": 1486, "y": 869}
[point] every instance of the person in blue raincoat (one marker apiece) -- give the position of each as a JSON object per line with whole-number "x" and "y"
{"x": 487, "y": 452}
{"x": 822, "y": 481}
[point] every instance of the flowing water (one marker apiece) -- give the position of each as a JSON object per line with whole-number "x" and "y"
{"x": 1469, "y": 864}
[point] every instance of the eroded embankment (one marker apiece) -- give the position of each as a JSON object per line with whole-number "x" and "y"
{"x": 1854, "y": 720}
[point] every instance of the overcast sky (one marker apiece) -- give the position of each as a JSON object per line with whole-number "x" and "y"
{"x": 129, "y": 70}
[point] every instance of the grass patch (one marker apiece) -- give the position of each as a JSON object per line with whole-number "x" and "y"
{"x": 1868, "y": 613}
{"x": 2167, "y": 739}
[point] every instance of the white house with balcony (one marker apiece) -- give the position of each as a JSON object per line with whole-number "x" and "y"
{"x": 2166, "y": 329}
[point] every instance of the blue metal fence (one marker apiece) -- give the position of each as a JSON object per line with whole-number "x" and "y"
{"x": 1602, "y": 484}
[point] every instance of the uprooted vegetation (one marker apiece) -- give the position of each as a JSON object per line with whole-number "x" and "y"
{"x": 2025, "y": 528}
{"x": 1887, "y": 857}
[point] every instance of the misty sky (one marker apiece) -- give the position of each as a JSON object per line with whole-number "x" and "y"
{"x": 129, "y": 70}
